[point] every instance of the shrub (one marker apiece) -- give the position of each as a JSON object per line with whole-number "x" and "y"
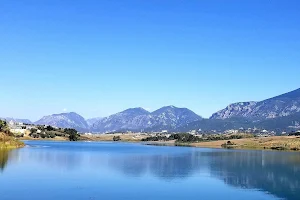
{"x": 116, "y": 138}
{"x": 73, "y": 134}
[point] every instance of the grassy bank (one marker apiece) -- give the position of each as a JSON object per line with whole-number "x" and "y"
{"x": 8, "y": 142}
{"x": 288, "y": 143}
{"x": 57, "y": 138}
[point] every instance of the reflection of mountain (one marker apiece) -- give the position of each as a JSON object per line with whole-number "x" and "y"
{"x": 3, "y": 159}
{"x": 46, "y": 157}
{"x": 167, "y": 167}
{"x": 277, "y": 173}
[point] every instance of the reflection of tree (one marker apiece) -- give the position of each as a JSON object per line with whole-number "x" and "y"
{"x": 277, "y": 173}
{"x": 3, "y": 159}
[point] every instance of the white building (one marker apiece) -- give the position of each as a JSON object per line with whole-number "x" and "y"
{"x": 18, "y": 131}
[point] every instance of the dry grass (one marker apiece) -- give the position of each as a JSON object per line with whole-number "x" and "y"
{"x": 280, "y": 142}
{"x": 8, "y": 142}
{"x": 109, "y": 137}
{"x": 57, "y": 138}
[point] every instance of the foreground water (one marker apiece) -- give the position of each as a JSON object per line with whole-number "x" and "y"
{"x": 91, "y": 171}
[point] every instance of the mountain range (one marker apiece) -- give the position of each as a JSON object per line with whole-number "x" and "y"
{"x": 279, "y": 113}
{"x": 133, "y": 119}
{"x": 279, "y": 106}
{"x": 139, "y": 119}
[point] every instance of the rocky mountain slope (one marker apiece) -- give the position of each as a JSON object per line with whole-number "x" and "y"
{"x": 138, "y": 119}
{"x": 130, "y": 119}
{"x": 279, "y": 124}
{"x": 91, "y": 121}
{"x": 65, "y": 120}
{"x": 279, "y": 106}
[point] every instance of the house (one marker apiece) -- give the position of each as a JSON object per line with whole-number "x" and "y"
{"x": 11, "y": 123}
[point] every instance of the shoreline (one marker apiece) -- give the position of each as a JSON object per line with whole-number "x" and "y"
{"x": 278, "y": 143}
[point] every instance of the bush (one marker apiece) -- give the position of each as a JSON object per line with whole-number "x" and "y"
{"x": 116, "y": 138}
{"x": 19, "y": 135}
{"x": 50, "y": 128}
{"x": 228, "y": 145}
{"x": 33, "y": 130}
{"x": 60, "y": 134}
{"x": 50, "y": 134}
{"x": 34, "y": 135}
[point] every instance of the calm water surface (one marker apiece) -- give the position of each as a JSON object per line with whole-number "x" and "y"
{"x": 92, "y": 171}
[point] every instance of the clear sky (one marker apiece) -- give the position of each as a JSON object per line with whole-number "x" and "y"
{"x": 98, "y": 57}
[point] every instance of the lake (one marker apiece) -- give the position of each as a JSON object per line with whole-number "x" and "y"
{"x": 46, "y": 170}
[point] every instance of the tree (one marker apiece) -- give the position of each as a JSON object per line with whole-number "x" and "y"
{"x": 49, "y": 128}
{"x": 73, "y": 134}
{"x": 4, "y": 127}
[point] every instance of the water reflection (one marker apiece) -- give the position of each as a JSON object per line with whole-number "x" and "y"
{"x": 167, "y": 167}
{"x": 3, "y": 159}
{"x": 277, "y": 173}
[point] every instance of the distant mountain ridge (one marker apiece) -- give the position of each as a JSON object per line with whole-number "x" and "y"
{"x": 138, "y": 119}
{"x": 132, "y": 119}
{"x": 65, "y": 120}
{"x": 279, "y": 113}
{"x": 279, "y": 124}
{"x": 279, "y": 106}
{"x": 91, "y": 121}
{"x": 25, "y": 121}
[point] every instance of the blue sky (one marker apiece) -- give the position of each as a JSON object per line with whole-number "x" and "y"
{"x": 100, "y": 57}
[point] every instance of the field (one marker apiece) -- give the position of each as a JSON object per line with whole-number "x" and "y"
{"x": 274, "y": 142}
{"x": 109, "y": 137}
